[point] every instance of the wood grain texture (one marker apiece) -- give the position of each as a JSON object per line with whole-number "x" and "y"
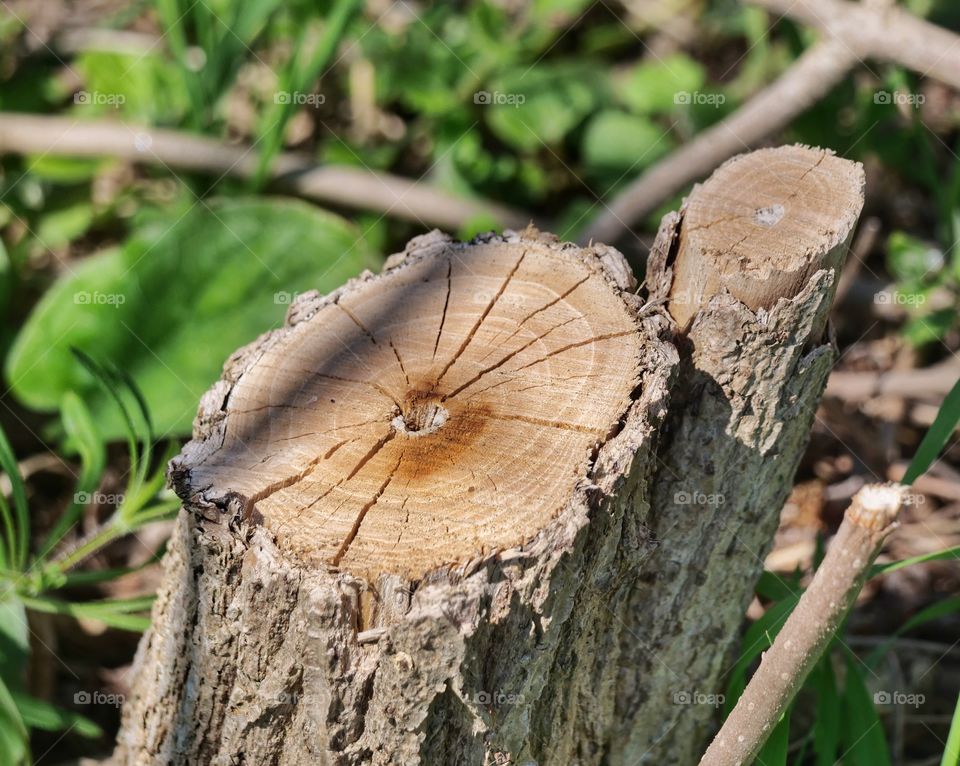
{"x": 762, "y": 224}
{"x": 437, "y": 412}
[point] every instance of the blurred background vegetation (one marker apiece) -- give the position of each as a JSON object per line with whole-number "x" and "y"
{"x": 124, "y": 287}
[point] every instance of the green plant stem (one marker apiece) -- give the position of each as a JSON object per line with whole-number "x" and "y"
{"x": 297, "y": 79}
{"x": 113, "y": 529}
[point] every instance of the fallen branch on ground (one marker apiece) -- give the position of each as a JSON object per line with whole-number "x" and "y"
{"x": 338, "y": 185}
{"x": 933, "y": 381}
{"x": 808, "y": 631}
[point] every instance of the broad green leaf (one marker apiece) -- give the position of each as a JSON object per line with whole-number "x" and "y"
{"x": 925, "y": 329}
{"x": 944, "y": 424}
{"x": 176, "y": 300}
{"x": 621, "y": 142}
{"x": 60, "y": 225}
{"x": 142, "y": 87}
{"x": 862, "y": 733}
{"x": 535, "y": 107}
{"x": 64, "y": 170}
{"x": 659, "y": 85}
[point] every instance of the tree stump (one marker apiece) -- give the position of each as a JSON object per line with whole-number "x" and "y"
{"x": 482, "y": 508}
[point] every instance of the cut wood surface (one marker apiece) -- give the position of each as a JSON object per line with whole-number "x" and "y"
{"x": 438, "y": 412}
{"x": 762, "y": 225}
{"x": 483, "y": 508}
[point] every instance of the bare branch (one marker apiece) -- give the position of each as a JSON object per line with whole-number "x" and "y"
{"x": 808, "y": 631}
{"x": 338, "y": 185}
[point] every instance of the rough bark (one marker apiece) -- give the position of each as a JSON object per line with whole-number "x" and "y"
{"x": 568, "y": 644}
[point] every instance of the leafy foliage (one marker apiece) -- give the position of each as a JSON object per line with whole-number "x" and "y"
{"x": 176, "y": 300}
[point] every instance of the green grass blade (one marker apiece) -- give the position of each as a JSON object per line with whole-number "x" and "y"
{"x": 932, "y": 612}
{"x": 116, "y": 614}
{"x": 38, "y": 714}
{"x": 936, "y": 437}
{"x": 862, "y": 735}
{"x": 20, "y": 531}
{"x": 14, "y": 737}
{"x": 946, "y": 554}
{"x": 758, "y": 638}
{"x": 774, "y": 750}
{"x": 299, "y": 77}
{"x": 951, "y": 753}
{"x": 826, "y": 727}
{"x": 82, "y": 436}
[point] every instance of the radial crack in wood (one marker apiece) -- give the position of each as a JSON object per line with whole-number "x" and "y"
{"x": 442, "y": 410}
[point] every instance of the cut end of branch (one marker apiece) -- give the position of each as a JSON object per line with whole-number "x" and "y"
{"x": 876, "y": 506}
{"x": 762, "y": 225}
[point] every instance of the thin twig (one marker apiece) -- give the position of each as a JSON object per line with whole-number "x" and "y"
{"x": 872, "y": 515}
{"x": 934, "y": 381}
{"x": 338, "y": 185}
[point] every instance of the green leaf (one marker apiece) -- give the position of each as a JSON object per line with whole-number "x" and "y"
{"x": 141, "y": 87}
{"x": 177, "y": 299}
{"x": 862, "y": 734}
{"x": 921, "y": 330}
{"x": 944, "y": 555}
{"x": 775, "y": 587}
{"x": 617, "y": 141}
{"x": 910, "y": 259}
{"x": 944, "y": 424}
{"x": 17, "y": 532}
{"x": 826, "y": 727}
{"x": 115, "y": 613}
{"x": 533, "y": 107}
{"x": 14, "y": 738}
{"x": 774, "y": 750}
{"x": 951, "y": 753}
{"x": 14, "y": 641}
{"x": 932, "y": 612}
{"x": 657, "y": 86}
{"x": 42, "y": 715}
{"x": 82, "y": 438}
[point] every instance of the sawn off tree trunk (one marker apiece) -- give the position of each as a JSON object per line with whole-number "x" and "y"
{"x": 488, "y": 506}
